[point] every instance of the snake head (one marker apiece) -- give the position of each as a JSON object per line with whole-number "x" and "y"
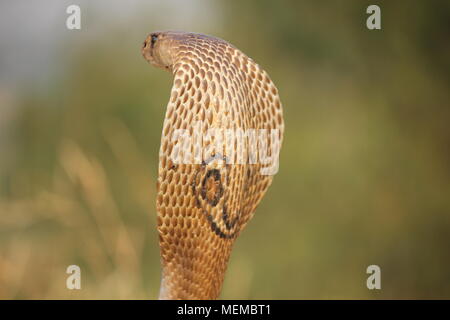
{"x": 159, "y": 48}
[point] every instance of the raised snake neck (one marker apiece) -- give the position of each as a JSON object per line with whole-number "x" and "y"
{"x": 204, "y": 204}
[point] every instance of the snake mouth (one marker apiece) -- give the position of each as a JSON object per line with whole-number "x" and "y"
{"x": 146, "y": 50}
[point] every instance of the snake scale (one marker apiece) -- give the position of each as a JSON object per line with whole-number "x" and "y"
{"x": 204, "y": 201}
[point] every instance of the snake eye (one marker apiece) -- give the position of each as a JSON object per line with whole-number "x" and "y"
{"x": 154, "y": 38}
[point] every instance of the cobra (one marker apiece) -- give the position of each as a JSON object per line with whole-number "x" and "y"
{"x": 203, "y": 205}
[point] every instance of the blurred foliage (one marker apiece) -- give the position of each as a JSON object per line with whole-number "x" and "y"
{"x": 364, "y": 174}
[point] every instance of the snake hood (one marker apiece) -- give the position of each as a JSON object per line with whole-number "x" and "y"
{"x": 213, "y": 175}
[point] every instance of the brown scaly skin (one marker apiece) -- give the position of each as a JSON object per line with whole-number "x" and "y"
{"x": 202, "y": 207}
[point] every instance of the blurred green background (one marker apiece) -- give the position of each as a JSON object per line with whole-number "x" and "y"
{"x": 364, "y": 172}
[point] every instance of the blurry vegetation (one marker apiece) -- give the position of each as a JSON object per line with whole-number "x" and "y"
{"x": 364, "y": 175}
